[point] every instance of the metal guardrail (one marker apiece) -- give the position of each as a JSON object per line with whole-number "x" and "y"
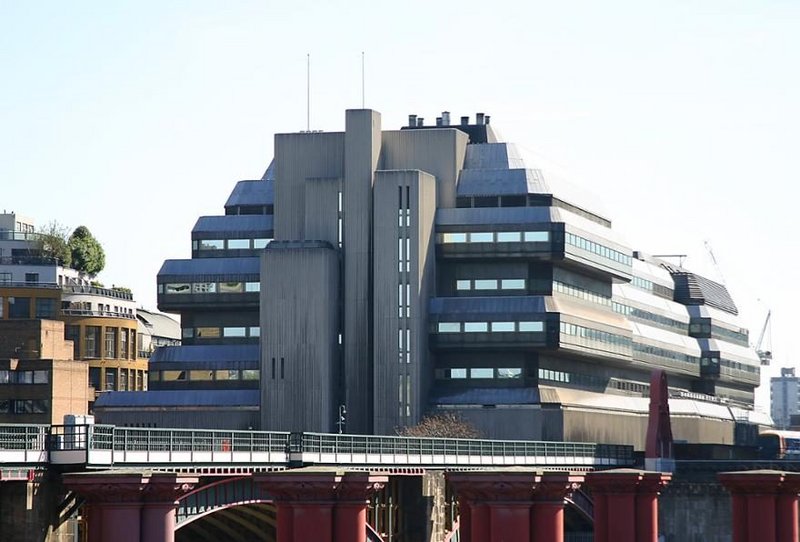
{"x": 23, "y": 437}
{"x": 110, "y": 445}
{"x": 23, "y": 444}
{"x": 87, "y": 312}
{"x": 325, "y": 443}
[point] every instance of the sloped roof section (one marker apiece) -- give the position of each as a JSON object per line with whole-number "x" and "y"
{"x": 215, "y": 352}
{"x": 486, "y": 396}
{"x": 261, "y": 192}
{"x": 233, "y": 224}
{"x": 179, "y": 398}
{"x": 694, "y": 289}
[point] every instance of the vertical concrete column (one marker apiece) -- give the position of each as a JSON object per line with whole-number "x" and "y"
{"x": 158, "y": 505}
{"x": 321, "y": 506}
{"x": 362, "y": 145}
{"x": 764, "y": 505}
{"x": 629, "y": 504}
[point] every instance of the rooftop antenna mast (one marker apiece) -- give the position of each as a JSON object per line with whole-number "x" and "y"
{"x": 308, "y": 92}
{"x": 714, "y": 261}
{"x": 362, "y": 79}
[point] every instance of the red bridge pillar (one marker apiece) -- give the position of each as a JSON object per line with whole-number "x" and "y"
{"x": 764, "y": 505}
{"x": 511, "y": 505}
{"x": 626, "y": 504}
{"x": 321, "y": 506}
{"x": 130, "y": 507}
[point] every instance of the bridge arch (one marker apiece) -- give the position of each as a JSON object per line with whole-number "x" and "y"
{"x": 230, "y": 508}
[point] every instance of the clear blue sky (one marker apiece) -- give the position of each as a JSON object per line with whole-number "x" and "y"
{"x": 136, "y": 117}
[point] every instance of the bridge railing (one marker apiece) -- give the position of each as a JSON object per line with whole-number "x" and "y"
{"x": 324, "y": 447}
{"x": 108, "y": 445}
{"x": 23, "y": 443}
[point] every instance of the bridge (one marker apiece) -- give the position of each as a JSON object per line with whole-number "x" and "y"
{"x": 225, "y": 493}
{"x": 144, "y": 484}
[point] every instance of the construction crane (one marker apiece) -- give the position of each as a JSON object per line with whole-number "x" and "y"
{"x": 761, "y": 350}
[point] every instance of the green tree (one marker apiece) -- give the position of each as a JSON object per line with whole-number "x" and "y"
{"x": 52, "y": 242}
{"x": 87, "y": 252}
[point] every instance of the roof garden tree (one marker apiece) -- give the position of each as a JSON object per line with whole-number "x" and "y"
{"x": 88, "y": 255}
{"x": 52, "y": 242}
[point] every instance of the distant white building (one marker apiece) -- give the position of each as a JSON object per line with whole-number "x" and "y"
{"x": 785, "y": 400}
{"x": 156, "y": 329}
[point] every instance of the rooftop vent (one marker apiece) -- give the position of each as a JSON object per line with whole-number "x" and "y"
{"x": 420, "y": 121}
{"x": 486, "y": 119}
{"x": 464, "y": 121}
{"x": 445, "y": 118}
{"x": 438, "y": 121}
{"x": 479, "y": 118}
{"x": 412, "y": 121}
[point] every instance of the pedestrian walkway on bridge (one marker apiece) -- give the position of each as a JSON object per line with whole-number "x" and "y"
{"x": 107, "y": 446}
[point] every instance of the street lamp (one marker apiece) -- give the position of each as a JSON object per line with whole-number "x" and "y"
{"x": 342, "y": 418}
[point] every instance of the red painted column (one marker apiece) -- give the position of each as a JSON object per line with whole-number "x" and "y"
{"x": 322, "y": 506}
{"x": 600, "y": 517}
{"x": 114, "y": 499}
{"x": 464, "y": 521}
{"x": 513, "y": 505}
{"x": 480, "y": 522}
{"x": 548, "y": 508}
{"x": 93, "y": 520}
{"x": 628, "y": 504}
{"x": 285, "y": 522}
{"x": 787, "y": 512}
{"x": 158, "y": 505}
{"x": 647, "y": 505}
{"x": 130, "y": 507}
{"x": 762, "y": 518}
{"x": 350, "y": 522}
{"x": 313, "y": 521}
{"x": 510, "y": 521}
{"x": 739, "y": 520}
{"x": 548, "y": 521}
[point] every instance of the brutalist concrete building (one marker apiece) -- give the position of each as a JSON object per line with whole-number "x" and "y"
{"x": 429, "y": 268}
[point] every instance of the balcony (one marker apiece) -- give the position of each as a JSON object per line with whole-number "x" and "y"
{"x": 85, "y": 313}
{"x": 29, "y": 284}
{"x": 107, "y": 292}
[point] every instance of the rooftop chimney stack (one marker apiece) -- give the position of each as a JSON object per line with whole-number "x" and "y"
{"x": 412, "y": 121}
{"x": 464, "y": 121}
{"x": 487, "y": 118}
{"x": 478, "y": 118}
{"x": 439, "y": 121}
{"x": 445, "y": 118}
{"x": 420, "y": 121}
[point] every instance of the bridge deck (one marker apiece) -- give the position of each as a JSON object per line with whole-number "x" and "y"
{"x": 104, "y": 446}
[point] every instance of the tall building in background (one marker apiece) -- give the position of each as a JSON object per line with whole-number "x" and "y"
{"x": 784, "y": 397}
{"x": 431, "y": 269}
